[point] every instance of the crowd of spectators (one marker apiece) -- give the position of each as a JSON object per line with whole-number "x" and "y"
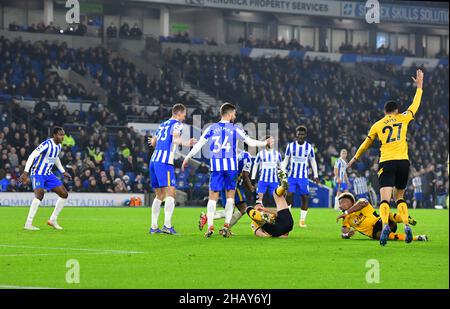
{"x": 75, "y": 29}
{"x": 292, "y": 44}
{"x": 291, "y": 91}
{"x": 124, "y": 32}
{"x": 184, "y": 38}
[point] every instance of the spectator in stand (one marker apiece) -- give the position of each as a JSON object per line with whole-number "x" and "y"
{"x": 136, "y": 32}
{"x": 111, "y": 31}
{"x": 124, "y": 31}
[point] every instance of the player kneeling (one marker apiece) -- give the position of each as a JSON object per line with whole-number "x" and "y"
{"x": 362, "y": 217}
{"x": 269, "y": 223}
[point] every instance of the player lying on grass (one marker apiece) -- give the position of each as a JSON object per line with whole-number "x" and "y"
{"x": 270, "y": 223}
{"x": 362, "y": 217}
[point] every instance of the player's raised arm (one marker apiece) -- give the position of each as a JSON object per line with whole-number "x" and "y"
{"x": 418, "y": 96}
{"x": 287, "y": 157}
{"x": 178, "y": 140}
{"x": 254, "y": 142}
{"x": 197, "y": 147}
{"x": 312, "y": 161}
{"x": 364, "y": 146}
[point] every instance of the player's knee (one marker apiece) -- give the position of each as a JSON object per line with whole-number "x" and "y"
{"x": 39, "y": 195}
{"x": 64, "y": 195}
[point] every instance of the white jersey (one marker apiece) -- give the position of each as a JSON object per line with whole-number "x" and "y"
{"x": 165, "y": 148}
{"x": 299, "y": 155}
{"x": 48, "y": 152}
{"x": 360, "y": 185}
{"x": 341, "y": 165}
{"x": 267, "y": 161}
{"x": 417, "y": 184}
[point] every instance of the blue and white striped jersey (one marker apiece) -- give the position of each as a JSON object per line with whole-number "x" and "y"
{"x": 223, "y": 138}
{"x": 360, "y": 185}
{"x": 417, "y": 184}
{"x": 341, "y": 165}
{"x": 165, "y": 148}
{"x": 267, "y": 161}
{"x": 244, "y": 163}
{"x": 299, "y": 155}
{"x": 48, "y": 152}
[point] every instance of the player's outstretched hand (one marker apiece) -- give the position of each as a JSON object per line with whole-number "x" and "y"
{"x": 192, "y": 142}
{"x": 24, "y": 178}
{"x": 67, "y": 175}
{"x": 352, "y": 161}
{"x": 419, "y": 78}
{"x": 184, "y": 164}
{"x": 340, "y": 217}
{"x": 270, "y": 141}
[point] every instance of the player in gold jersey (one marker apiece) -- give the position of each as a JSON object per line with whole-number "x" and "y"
{"x": 362, "y": 217}
{"x": 393, "y": 171}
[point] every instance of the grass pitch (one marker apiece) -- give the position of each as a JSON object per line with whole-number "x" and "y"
{"x": 114, "y": 250}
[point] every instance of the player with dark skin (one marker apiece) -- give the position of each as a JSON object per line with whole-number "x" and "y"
{"x": 60, "y": 190}
{"x": 301, "y": 137}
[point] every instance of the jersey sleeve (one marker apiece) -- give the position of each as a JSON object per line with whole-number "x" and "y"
{"x": 372, "y": 132}
{"x": 311, "y": 153}
{"x": 42, "y": 147}
{"x": 288, "y": 150}
{"x": 240, "y": 134}
{"x": 177, "y": 128}
{"x": 280, "y": 159}
{"x": 346, "y": 222}
{"x": 247, "y": 164}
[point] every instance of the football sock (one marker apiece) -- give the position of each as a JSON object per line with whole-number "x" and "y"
{"x": 169, "y": 206}
{"x": 403, "y": 210}
{"x": 32, "y": 212}
{"x": 235, "y": 218}
{"x": 210, "y": 210}
{"x": 58, "y": 207}
{"x": 156, "y": 207}
{"x": 399, "y": 236}
{"x": 229, "y": 207}
{"x": 384, "y": 212}
{"x": 303, "y": 214}
{"x": 219, "y": 214}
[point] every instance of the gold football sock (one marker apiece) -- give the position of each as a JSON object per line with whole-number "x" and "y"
{"x": 384, "y": 212}
{"x": 395, "y": 236}
{"x": 403, "y": 210}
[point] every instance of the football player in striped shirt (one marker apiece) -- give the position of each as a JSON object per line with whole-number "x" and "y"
{"x": 298, "y": 155}
{"x": 267, "y": 162}
{"x": 360, "y": 187}
{"x": 223, "y": 137}
{"x": 340, "y": 176}
{"x": 38, "y": 169}
{"x": 240, "y": 200}
{"x": 162, "y": 173}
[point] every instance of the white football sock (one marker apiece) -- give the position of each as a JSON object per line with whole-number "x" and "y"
{"x": 210, "y": 210}
{"x": 169, "y": 206}
{"x": 235, "y": 218}
{"x": 219, "y": 214}
{"x": 229, "y": 207}
{"x": 303, "y": 214}
{"x": 336, "y": 203}
{"x": 32, "y": 212}
{"x": 156, "y": 207}
{"x": 58, "y": 207}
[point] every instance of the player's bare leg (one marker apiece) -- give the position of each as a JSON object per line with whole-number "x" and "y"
{"x": 38, "y": 197}
{"x": 156, "y": 207}
{"x": 303, "y": 211}
{"x": 402, "y": 208}
{"x": 210, "y": 211}
{"x": 229, "y": 208}
{"x": 386, "y": 194}
{"x": 169, "y": 206}
{"x": 62, "y": 193}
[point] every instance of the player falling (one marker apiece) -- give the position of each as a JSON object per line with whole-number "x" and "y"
{"x": 296, "y": 159}
{"x": 393, "y": 171}
{"x": 223, "y": 137}
{"x": 340, "y": 176}
{"x": 240, "y": 200}
{"x": 267, "y": 162}
{"x": 40, "y": 163}
{"x": 162, "y": 174}
{"x": 362, "y": 217}
{"x": 269, "y": 223}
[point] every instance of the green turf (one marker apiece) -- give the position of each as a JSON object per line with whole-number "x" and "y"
{"x": 314, "y": 257}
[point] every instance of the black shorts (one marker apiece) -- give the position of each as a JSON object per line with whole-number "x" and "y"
{"x": 379, "y": 226}
{"x": 283, "y": 224}
{"x": 394, "y": 173}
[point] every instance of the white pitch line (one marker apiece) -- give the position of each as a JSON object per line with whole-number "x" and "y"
{"x": 26, "y": 287}
{"x": 58, "y": 254}
{"x": 72, "y": 249}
